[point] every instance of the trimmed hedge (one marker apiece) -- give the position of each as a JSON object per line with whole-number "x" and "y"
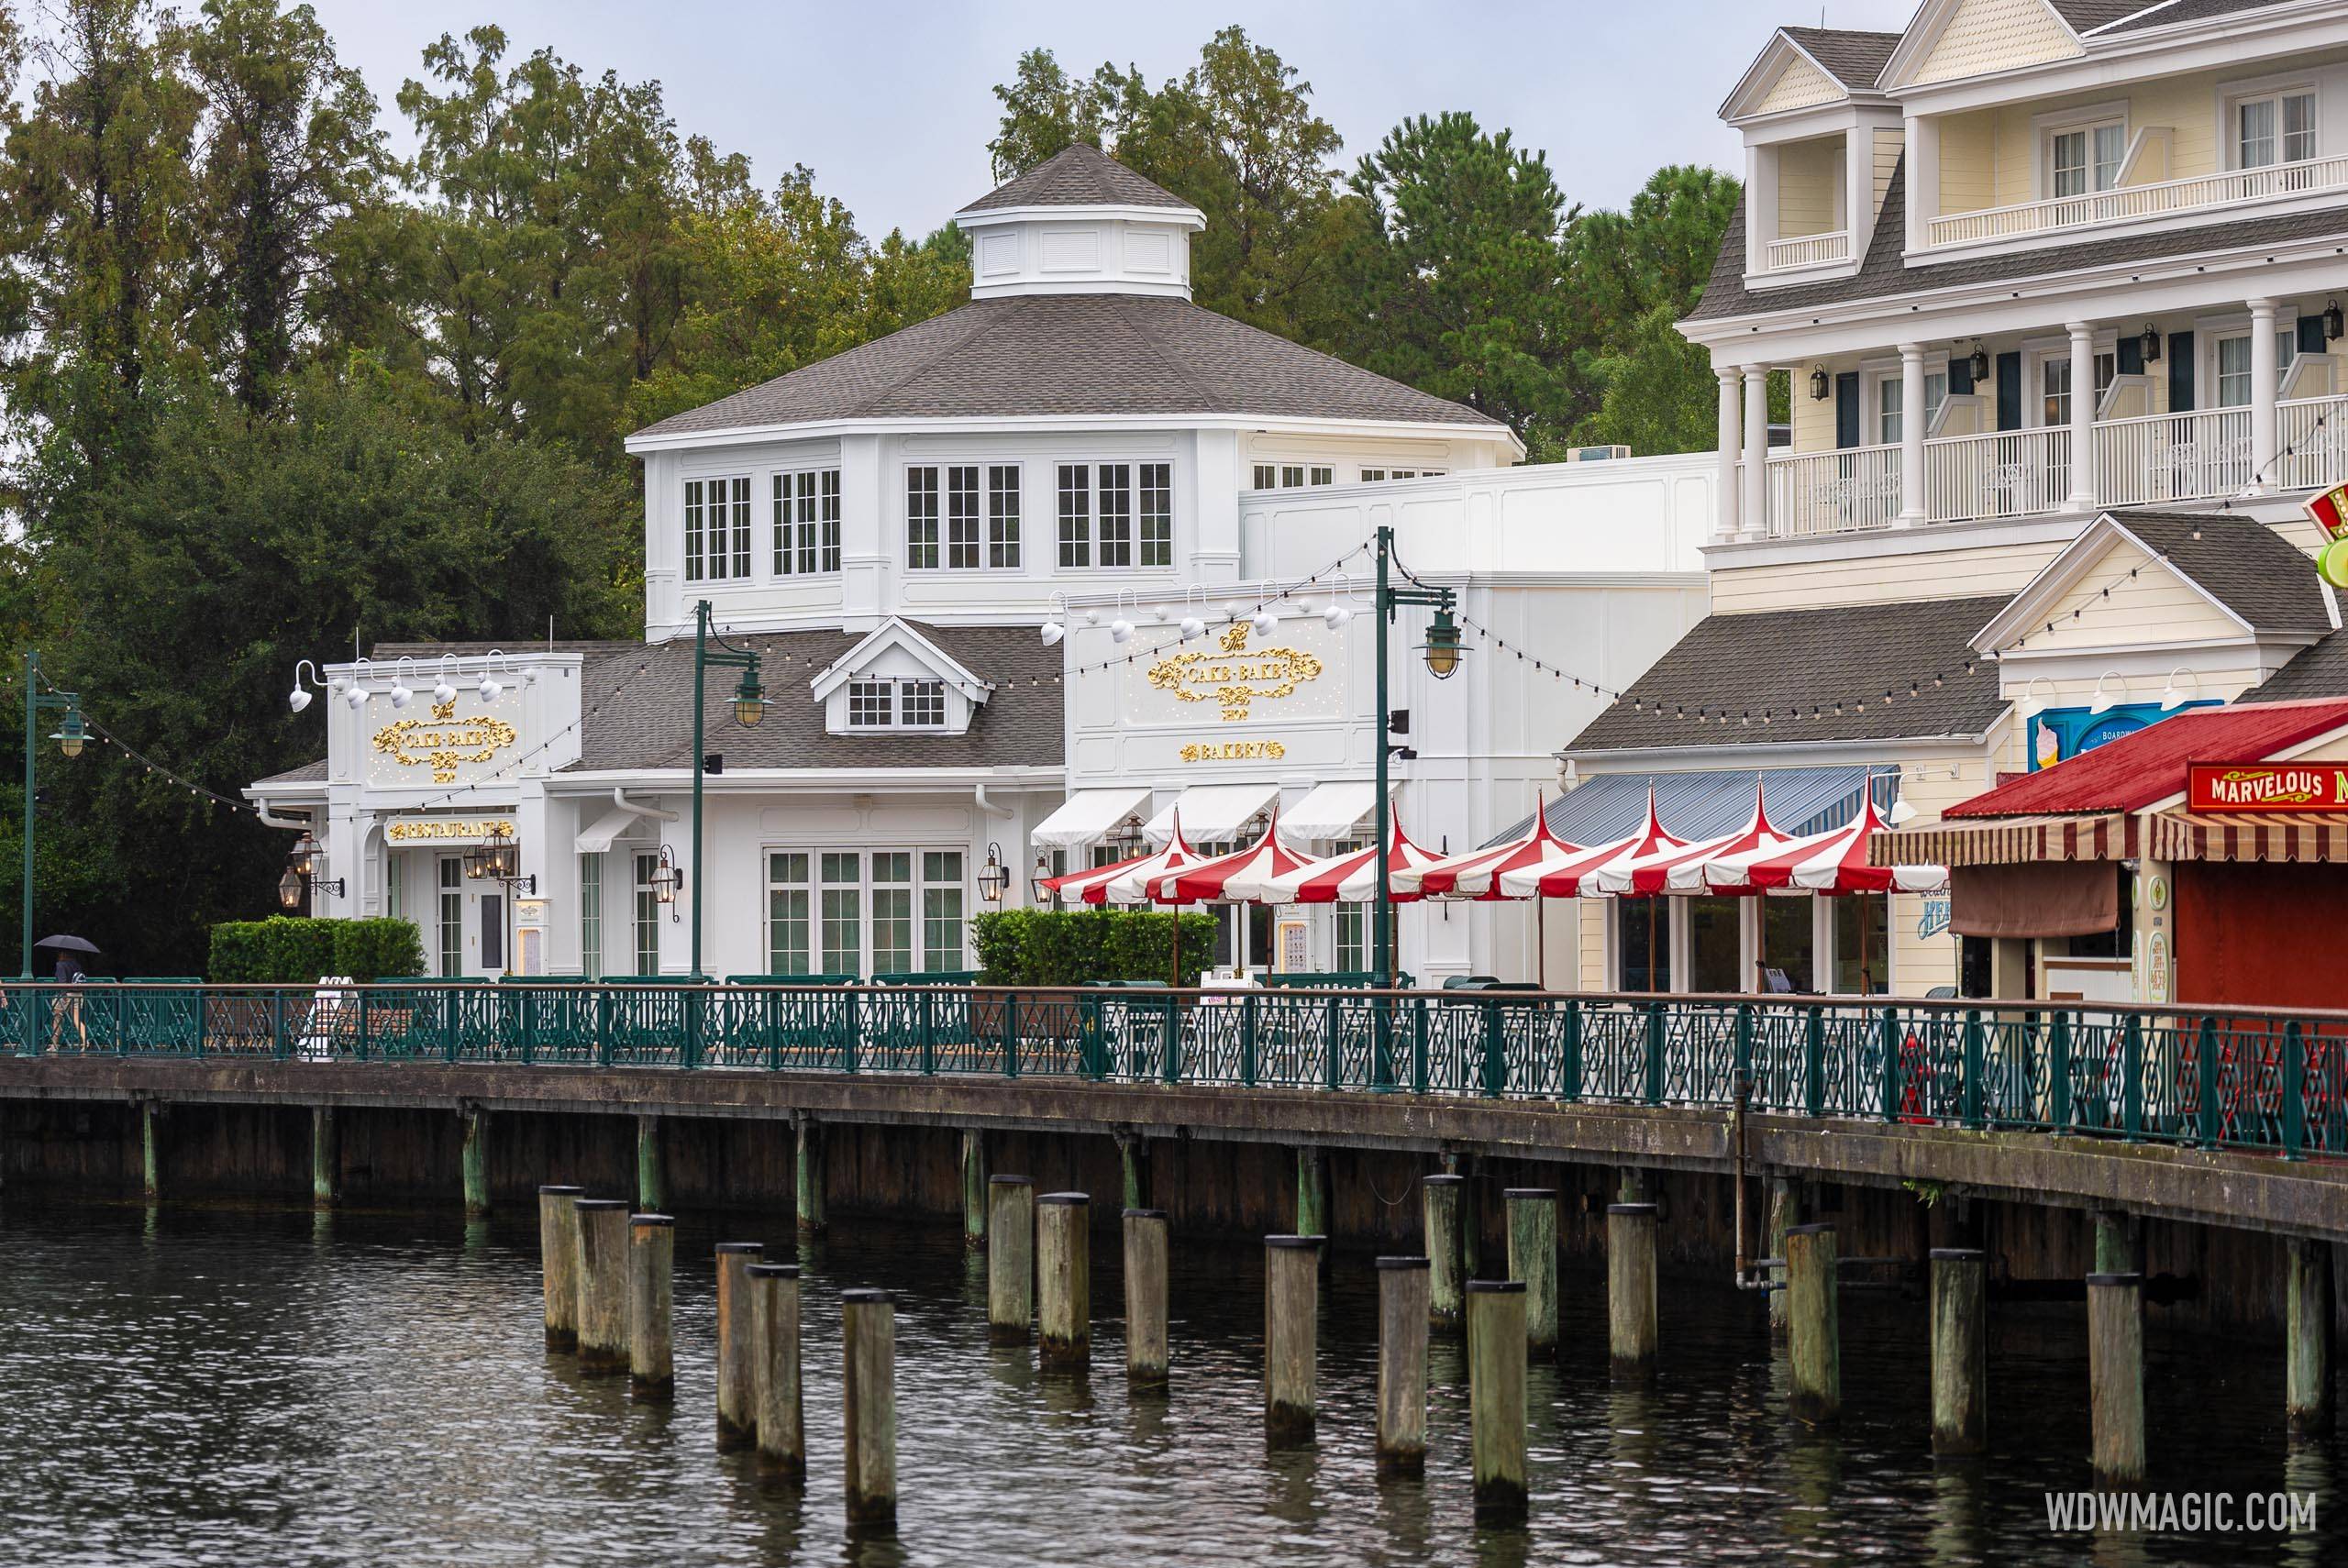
{"x": 286, "y": 950}
{"x": 1083, "y": 948}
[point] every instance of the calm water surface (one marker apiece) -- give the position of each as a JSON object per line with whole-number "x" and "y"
{"x": 207, "y": 1385}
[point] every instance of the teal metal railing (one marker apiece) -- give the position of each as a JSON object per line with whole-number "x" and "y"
{"x": 2215, "y": 1079}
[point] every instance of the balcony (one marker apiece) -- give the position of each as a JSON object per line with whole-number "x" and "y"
{"x": 2136, "y": 203}
{"x": 1808, "y": 251}
{"x": 2148, "y": 461}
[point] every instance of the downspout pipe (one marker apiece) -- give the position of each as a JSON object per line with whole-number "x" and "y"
{"x": 619, "y": 799}
{"x": 980, "y": 794}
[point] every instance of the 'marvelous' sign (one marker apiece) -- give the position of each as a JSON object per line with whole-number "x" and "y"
{"x": 2221, "y": 787}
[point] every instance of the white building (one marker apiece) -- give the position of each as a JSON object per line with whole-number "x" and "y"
{"x": 1080, "y": 445}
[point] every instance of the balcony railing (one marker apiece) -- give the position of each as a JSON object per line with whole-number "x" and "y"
{"x": 1842, "y": 492}
{"x": 2173, "y": 457}
{"x": 2274, "y": 182}
{"x": 1808, "y": 251}
{"x": 2003, "y": 474}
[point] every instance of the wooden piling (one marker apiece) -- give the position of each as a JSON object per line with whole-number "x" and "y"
{"x": 737, "y": 1370}
{"x": 603, "y": 1284}
{"x": 1311, "y": 1191}
{"x": 869, "y": 1327}
{"x": 1960, "y": 1351}
{"x": 974, "y": 1189}
{"x": 1402, "y": 1366}
{"x": 807, "y": 1178}
{"x": 1814, "y": 1329}
{"x": 476, "y": 1161}
{"x": 558, "y": 1264}
{"x": 1291, "y": 1334}
{"x": 650, "y": 1192}
{"x": 1496, "y": 1356}
{"x": 1439, "y": 1199}
{"x": 2116, "y": 1374}
{"x": 1148, "y": 1353}
{"x": 1533, "y": 1259}
{"x": 1011, "y": 1258}
{"x": 1064, "y": 1278}
{"x": 652, "y": 1306}
{"x": 1785, "y": 1212}
{"x": 1132, "y": 1169}
{"x": 2119, "y": 1243}
{"x": 2308, "y": 1308}
{"x": 780, "y": 1411}
{"x": 1631, "y": 1332}
{"x": 326, "y": 1158}
{"x": 150, "y": 1150}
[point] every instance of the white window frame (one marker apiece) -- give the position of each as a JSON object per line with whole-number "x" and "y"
{"x": 819, "y": 951}
{"x": 811, "y": 936}
{"x": 967, "y": 531}
{"x": 1267, "y": 476}
{"x": 1885, "y": 387}
{"x": 2234, "y": 97}
{"x": 898, "y": 693}
{"x": 803, "y": 522}
{"x": 2084, "y": 117}
{"x": 2038, "y": 354}
{"x": 734, "y": 555}
{"x": 590, "y": 916}
{"x": 2237, "y": 330}
{"x": 1145, "y": 534}
{"x": 643, "y": 931}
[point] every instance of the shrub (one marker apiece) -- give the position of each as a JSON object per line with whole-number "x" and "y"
{"x": 286, "y": 950}
{"x": 1083, "y": 948}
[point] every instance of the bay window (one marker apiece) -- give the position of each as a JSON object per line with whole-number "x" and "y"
{"x": 718, "y": 529}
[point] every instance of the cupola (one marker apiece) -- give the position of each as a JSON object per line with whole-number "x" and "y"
{"x": 1079, "y": 223}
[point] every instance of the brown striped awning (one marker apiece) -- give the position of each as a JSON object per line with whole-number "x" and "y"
{"x": 2265, "y": 835}
{"x": 2010, "y": 841}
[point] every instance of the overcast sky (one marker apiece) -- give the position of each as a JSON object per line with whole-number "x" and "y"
{"x": 891, "y": 104}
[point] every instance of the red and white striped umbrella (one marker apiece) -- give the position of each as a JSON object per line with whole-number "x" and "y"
{"x": 1565, "y": 882}
{"x": 1681, "y": 869}
{"x": 1349, "y": 878}
{"x": 1212, "y": 881}
{"x": 1122, "y": 882}
{"x": 1834, "y": 861}
{"x": 1477, "y": 873}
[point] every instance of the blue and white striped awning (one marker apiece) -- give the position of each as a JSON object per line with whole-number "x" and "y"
{"x": 1706, "y": 804}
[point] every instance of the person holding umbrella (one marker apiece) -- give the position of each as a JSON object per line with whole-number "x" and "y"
{"x": 70, "y": 976}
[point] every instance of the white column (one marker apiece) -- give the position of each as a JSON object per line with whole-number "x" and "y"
{"x": 1753, "y": 519}
{"x": 1729, "y": 434}
{"x": 867, "y": 542}
{"x": 1911, "y": 434}
{"x": 1760, "y": 207}
{"x": 2264, "y": 371}
{"x": 1921, "y": 145}
{"x": 2083, "y": 489}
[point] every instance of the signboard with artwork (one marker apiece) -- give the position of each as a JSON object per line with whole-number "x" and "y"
{"x": 2331, "y": 512}
{"x": 2217, "y": 788}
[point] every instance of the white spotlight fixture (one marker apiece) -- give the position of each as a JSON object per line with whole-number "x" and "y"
{"x": 489, "y": 687}
{"x": 2103, "y": 701}
{"x": 1121, "y": 630}
{"x": 1053, "y": 633}
{"x": 1336, "y": 616}
{"x": 444, "y": 690}
{"x": 299, "y": 698}
{"x": 1902, "y": 811}
{"x": 1263, "y": 622}
{"x": 1193, "y": 627}
{"x": 2172, "y": 698}
{"x": 356, "y": 693}
{"x": 401, "y": 695}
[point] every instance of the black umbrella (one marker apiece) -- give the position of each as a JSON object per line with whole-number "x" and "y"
{"x": 67, "y": 943}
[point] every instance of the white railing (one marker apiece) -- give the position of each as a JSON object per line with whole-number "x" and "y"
{"x": 2004, "y": 473}
{"x": 1809, "y": 250}
{"x": 2133, "y": 203}
{"x": 2310, "y": 443}
{"x": 2172, "y": 457}
{"x": 1844, "y": 491}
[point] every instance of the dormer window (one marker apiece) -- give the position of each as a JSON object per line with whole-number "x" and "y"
{"x": 896, "y": 704}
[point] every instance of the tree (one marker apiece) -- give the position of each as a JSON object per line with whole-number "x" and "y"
{"x": 1633, "y": 274}
{"x": 1455, "y": 276}
{"x": 1044, "y": 112}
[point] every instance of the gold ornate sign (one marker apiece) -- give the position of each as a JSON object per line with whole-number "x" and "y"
{"x": 444, "y": 742}
{"x": 1234, "y": 677}
{"x": 1233, "y": 751}
{"x": 446, "y": 830}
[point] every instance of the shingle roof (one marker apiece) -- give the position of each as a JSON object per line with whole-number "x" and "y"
{"x": 1854, "y": 59}
{"x": 2152, "y": 764}
{"x": 308, "y": 773}
{"x": 1074, "y": 354}
{"x": 2318, "y": 670}
{"x": 2241, "y": 562}
{"x": 1780, "y": 660}
{"x": 1079, "y": 176}
{"x": 2084, "y": 15}
{"x": 638, "y": 701}
{"x": 1883, "y": 273}
{"x": 2142, "y": 14}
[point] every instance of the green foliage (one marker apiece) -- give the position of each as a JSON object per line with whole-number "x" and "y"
{"x": 1083, "y": 948}
{"x": 285, "y": 951}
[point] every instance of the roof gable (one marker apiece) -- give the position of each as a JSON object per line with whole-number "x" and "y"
{"x": 1080, "y": 175}
{"x": 1800, "y": 68}
{"x": 896, "y": 635}
{"x": 1950, "y": 40}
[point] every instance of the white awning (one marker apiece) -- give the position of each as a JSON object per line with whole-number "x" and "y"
{"x": 1085, "y": 817}
{"x": 1211, "y": 812}
{"x": 1337, "y": 810}
{"x": 596, "y": 837}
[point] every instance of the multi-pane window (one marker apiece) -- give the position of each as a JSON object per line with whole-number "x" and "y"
{"x": 789, "y": 899}
{"x": 648, "y": 915}
{"x": 1268, "y": 476}
{"x": 591, "y": 917}
{"x": 892, "y": 911}
{"x": 1376, "y": 476}
{"x": 2276, "y": 128}
{"x": 921, "y": 704}
{"x": 941, "y": 909}
{"x": 1116, "y": 514}
{"x": 1003, "y": 515}
{"x": 1891, "y": 396}
{"x": 871, "y": 705}
{"x": 920, "y": 518}
{"x": 2234, "y": 366}
{"x": 2054, "y": 381}
{"x": 806, "y": 522}
{"x": 962, "y": 505}
{"x": 1292, "y": 475}
{"x": 452, "y": 917}
{"x": 2086, "y": 158}
{"x": 718, "y": 529}
{"x": 842, "y": 912}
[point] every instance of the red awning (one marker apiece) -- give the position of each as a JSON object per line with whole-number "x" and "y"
{"x": 2143, "y": 769}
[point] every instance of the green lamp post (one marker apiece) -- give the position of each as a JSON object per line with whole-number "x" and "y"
{"x": 710, "y": 650}
{"x": 69, "y": 737}
{"x": 1442, "y": 653}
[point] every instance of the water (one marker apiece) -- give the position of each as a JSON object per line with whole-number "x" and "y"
{"x": 214, "y": 1385}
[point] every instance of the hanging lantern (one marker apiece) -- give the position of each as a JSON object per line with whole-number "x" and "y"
{"x": 993, "y": 876}
{"x": 1818, "y": 383}
{"x": 2150, "y": 344}
{"x": 1441, "y": 649}
{"x": 1978, "y": 363}
{"x": 2333, "y": 326}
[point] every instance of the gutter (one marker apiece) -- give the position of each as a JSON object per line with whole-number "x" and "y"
{"x": 619, "y": 799}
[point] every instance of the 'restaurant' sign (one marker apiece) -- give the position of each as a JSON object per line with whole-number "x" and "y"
{"x": 2217, "y": 788}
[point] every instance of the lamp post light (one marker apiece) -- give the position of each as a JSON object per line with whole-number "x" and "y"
{"x": 1442, "y": 652}
{"x": 994, "y": 876}
{"x": 749, "y": 708}
{"x": 301, "y": 875}
{"x": 668, "y": 880}
{"x": 69, "y": 737}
